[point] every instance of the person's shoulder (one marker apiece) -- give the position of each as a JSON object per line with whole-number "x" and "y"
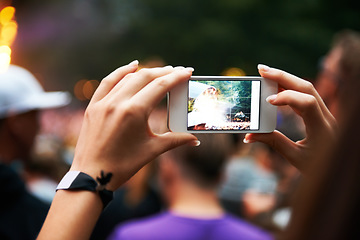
{"x": 244, "y": 230}
{"x": 140, "y": 228}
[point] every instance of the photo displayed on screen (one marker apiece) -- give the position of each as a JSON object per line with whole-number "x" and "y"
{"x": 223, "y": 105}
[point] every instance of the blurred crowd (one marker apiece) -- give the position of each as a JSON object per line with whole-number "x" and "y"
{"x": 53, "y": 150}
{"x": 257, "y": 184}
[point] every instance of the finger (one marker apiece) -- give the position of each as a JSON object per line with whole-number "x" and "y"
{"x": 291, "y": 82}
{"x": 303, "y": 104}
{"x": 279, "y": 142}
{"x": 112, "y": 79}
{"x": 170, "y": 140}
{"x": 156, "y": 90}
{"x": 132, "y": 83}
{"x": 286, "y": 80}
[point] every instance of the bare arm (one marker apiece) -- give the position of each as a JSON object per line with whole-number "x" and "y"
{"x": 115, "y": 137}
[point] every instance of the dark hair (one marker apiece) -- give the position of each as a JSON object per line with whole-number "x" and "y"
{"x": 328, "y": 206}
{"x": 204, "y": 164}
{"x": 349, "y": 64}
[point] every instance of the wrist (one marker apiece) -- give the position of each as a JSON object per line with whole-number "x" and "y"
{"x": 80, "y": 181}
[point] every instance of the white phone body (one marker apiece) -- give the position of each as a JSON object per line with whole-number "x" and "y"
{"x": 222, "y": 104}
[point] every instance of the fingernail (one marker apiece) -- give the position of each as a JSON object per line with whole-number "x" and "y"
{"x": 195, "y": 143}
{"x": 190, "y": 69}
{"x": 179, "y": 67}
{"x": 263, "y": 67}
{"x": 271, "y": 98}
{"x": 134, "y": 63}
{"x": 245, "y": 140}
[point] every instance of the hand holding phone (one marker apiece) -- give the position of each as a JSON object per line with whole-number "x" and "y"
{"x": 213, "y": 104}
{"x": 303, "y": 98}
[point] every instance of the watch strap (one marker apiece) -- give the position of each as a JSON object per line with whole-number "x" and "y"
{"x": 76, "y": 180}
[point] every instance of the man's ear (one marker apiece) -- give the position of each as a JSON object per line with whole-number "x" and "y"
{"x": 13, "y": 125}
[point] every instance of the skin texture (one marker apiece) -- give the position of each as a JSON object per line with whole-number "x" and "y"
{"x": 302, "y": 97}
{"x": 115, "y": 137}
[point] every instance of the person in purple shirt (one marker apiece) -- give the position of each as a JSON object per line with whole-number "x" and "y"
{"x": 189, "y": 178}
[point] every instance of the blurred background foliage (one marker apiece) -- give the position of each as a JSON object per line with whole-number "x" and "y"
{"x": 65, "y": 41}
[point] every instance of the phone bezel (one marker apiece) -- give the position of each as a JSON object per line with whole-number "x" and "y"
{"x": 178, "y": 100}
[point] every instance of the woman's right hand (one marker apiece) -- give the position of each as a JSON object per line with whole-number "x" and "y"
{"x": 116, "y": 136}
{"x": 302, "y": 97}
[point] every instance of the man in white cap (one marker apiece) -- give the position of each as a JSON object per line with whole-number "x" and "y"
{"x": 21, "y": 98}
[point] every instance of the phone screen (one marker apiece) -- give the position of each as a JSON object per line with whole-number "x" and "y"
{"x": 219, "y": 105}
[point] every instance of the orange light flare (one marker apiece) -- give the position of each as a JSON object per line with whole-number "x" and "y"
{"x": 7, "y": 14}
{"x": 5, "y": 57}
{"x": 84, "y": 89}
{"x": 233, "y": 71}
{"x": 8, "y": 31}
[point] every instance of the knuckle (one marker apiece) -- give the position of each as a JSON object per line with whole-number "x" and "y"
{"x": 107, "y": 109}
{"x": 144, "y": 72}
{"x": 308, "y": 87}
{"x": 106, "y": 81}
{"x": 310, "y": 101}
{"x": 281, "y": 74}
{"x": 162, "y": 82}
{"x": 98, "y": 108}
{"x": 133, "y": 108}
{"x": 126, "y": 113}
{"x": 127, "y": 109}
{"x": 129, "y": 76}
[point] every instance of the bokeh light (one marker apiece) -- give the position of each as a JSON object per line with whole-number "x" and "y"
{"x": 5, "y": 53}
{"x": 84, "y": 89}
{"x": 8, "y": 31}
{"x": 7, "y": 14}
{"x": 233, "y": 71}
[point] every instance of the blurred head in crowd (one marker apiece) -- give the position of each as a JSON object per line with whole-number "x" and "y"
{"x": 197, "y": 168}
{"x": 339, "y": 68}
{"x": 21, "y": 98}
{"x": 328, "y": 202}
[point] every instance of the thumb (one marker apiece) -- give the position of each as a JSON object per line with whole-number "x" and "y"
{"x": 170, "y": 140}
{"x": 278, "y": 141}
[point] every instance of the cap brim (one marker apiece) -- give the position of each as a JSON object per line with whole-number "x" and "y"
{"x": 40, "y": 100}
{"x": 47, "y": 100}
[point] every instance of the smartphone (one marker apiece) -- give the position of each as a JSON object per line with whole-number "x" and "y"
{"x": 219, "y": 104}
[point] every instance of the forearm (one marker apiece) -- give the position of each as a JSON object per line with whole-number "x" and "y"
{"x": 115, "y": 138}
{"x": 73, "y": 215}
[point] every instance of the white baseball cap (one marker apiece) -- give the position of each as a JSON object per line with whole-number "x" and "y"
{"x": 21, "y": 92}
